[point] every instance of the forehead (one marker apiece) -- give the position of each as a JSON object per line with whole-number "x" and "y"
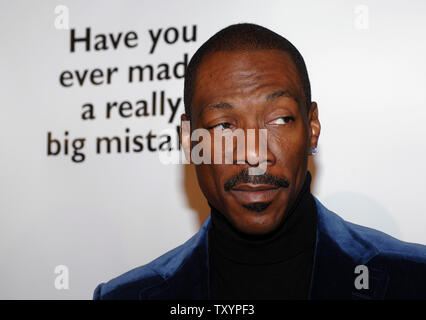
{"x": 244, "y": 74}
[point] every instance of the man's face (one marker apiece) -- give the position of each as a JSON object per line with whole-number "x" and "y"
{"x": 254, "y": 90}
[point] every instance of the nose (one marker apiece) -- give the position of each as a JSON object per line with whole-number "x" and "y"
{"x": 254, "y": 153}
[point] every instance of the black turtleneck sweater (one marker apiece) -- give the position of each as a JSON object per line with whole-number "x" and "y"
{"x": 273, "y": 266}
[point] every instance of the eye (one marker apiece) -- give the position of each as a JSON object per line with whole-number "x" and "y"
{"x": 223, "y": 126}
{"x": 281, "y": 120}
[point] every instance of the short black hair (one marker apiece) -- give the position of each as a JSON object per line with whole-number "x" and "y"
{"x": 244, "y": 36}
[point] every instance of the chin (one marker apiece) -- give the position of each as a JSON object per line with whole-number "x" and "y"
{"x": 255, "y": 222}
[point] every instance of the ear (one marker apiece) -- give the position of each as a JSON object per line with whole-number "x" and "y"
{"x": 185, "y": 137}
{"x": 314, "y": 125}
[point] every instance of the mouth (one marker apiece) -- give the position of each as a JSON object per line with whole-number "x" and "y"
{"x": 250, "y": 193}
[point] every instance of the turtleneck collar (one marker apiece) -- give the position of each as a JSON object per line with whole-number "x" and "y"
{"x": 295, "y": 235}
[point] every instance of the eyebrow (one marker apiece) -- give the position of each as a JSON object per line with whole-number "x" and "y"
{"x": 220, "y": 105}
{"x": 278, "y": 94}
{"x": 271, "y": 96}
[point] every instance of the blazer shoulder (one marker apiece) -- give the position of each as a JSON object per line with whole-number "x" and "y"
{"x": 400, "y": 265}
{"x": 128, "y": 285}
{"x": 132, "y": 284}
{"x": 358, "y": 240}
{"x": 390, "y": 246}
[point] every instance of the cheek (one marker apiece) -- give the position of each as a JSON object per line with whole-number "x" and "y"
{"x": 288, "y": 146}
{"x": 209, "y": 179}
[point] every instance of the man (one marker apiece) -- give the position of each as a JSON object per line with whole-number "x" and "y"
{"x": 267, "y": 237}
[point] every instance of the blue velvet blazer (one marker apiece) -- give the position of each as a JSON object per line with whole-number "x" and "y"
{"x": 396, "y": 269}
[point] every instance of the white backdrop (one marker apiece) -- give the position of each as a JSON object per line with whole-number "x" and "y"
{"x": 113, "y": 212}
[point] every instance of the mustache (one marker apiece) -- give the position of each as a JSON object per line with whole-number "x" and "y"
{"x": 244, "y": 177}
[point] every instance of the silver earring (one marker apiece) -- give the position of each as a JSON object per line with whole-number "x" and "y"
{"x": 314, "y": 150}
